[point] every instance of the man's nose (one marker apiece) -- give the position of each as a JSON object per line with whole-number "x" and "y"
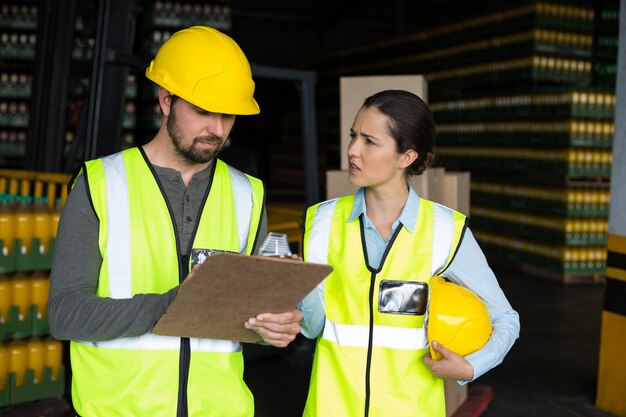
{"x": 215, "y": 124}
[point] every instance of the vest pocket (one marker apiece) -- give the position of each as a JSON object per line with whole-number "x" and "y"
{"x": 403, "y": 297}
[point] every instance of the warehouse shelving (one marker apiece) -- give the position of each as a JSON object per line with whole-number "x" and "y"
{"x": 31, "y": 365}
{"x": 606, "y": 36}
{"x": 517, "y": 102}
{"x": 551, "y": 133}
{"x": 18, "y": 38}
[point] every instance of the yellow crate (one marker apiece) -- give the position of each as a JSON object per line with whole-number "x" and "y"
{"x": 32, "y": 183}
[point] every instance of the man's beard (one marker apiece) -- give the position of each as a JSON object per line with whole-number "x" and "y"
{"x": 192, "y": 153}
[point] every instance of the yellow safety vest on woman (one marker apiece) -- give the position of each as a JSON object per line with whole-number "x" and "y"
{"x": 141, "y": 376}
{"x": 368, "y": 362}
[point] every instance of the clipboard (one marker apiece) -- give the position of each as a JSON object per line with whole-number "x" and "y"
{"x": 228, "y": 289}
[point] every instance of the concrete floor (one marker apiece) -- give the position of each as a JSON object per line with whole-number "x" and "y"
{"x": 550, "y": 372}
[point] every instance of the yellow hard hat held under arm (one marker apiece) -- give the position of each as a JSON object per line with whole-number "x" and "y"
{"x": 457, "y": 318}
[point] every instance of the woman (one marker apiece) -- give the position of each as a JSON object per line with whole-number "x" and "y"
{"x": 371, "y": 360}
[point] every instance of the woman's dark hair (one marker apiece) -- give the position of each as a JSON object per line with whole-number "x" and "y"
{"x": 410, "y": 123}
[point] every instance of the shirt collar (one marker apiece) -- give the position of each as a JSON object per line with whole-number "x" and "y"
{"x": 408, "y": 217}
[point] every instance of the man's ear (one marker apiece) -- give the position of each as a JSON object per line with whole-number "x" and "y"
{"x": 165, "y": 100}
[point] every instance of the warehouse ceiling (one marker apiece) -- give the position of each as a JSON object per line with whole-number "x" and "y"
{"x": 389, "y": 16}
{"x": 278, "y": 32}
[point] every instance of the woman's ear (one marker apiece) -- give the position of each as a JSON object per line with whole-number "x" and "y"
{"x": 407, "y": 158}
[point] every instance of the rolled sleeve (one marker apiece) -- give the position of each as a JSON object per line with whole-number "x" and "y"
{"x": 313, "y": 316}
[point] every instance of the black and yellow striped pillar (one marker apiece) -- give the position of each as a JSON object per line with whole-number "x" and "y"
{"x": 611, "y": 395}
{"x": 612, "y": 367}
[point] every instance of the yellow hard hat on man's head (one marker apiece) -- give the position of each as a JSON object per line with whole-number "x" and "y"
{"x": 208, "y": 69}
{"x": 457, "y": 319}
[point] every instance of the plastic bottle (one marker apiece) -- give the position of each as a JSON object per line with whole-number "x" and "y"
{"x": 20, "y": 294}
{"x": 7, "y": 226}
{"x": 24, "y": 225}
{"x": 4, "y": 365}
{"x": 35, "y": 358}
{"x": 5, "y": 298}
{"x": 42, "y": 219}
{"x": 39, "y": 289}
{"x": 54, "y": 353}
{"x": 54, "y": 217}
{"x": 17, "y": 360}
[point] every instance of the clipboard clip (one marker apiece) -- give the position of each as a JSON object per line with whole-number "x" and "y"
{"x": 275, "y": 245}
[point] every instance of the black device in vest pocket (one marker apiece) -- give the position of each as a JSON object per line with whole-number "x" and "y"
{"x": 403, "y": 297}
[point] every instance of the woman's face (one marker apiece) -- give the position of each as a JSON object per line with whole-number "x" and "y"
{"x": 372, "y": 151}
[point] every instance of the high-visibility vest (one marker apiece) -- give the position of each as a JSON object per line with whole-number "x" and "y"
{"x": 154, "y": 375}
{"x": 368, "y": 362}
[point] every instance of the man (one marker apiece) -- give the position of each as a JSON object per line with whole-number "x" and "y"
{"x": 126, "y": 235}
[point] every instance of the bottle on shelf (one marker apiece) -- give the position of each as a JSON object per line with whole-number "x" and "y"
{"x": 53, "y": 356}
{"x": 5, "y": 298}
{"x": 24, "y": 224}
{"x": 55, "y": 216}
{"x": 42, "y": 227}
{"x": 7, "y": 226}
{"x": 35, "y": 358}
{"x": 39, "y": 290}
{"x": 4, "y": 365}
{"x": 17, "y": 360}
{"x": 20, "y": 294}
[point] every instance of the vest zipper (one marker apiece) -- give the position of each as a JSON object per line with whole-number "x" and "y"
{"x": 183, "y": 377}
{"x": 184, "y": 358}
{"x": 372, "y": 303}
{"x": 370, "y": 339}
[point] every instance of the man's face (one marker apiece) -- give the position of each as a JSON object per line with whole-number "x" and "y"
{"x": 198, "y": 136}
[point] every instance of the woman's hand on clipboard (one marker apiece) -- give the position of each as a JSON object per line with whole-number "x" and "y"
{"x": 276, "y": 329}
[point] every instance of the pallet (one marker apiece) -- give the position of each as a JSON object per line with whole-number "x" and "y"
{"x": 565, "y": 277}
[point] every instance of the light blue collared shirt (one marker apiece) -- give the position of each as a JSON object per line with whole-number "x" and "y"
{"x": 376, "y": 245}
{"x": 469, "y": 268}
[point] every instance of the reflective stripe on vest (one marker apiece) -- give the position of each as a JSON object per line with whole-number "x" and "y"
{"x": 243, "y": 205}
{"x": 151, "y": 341}
{"x": 320, "y": 233}
{"x": 383, "y": 336}
{"x": 442, "y": 239}
{"x": 118, "y": 244}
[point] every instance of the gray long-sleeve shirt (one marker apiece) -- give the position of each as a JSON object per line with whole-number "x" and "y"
{"x": 74, "y": 310}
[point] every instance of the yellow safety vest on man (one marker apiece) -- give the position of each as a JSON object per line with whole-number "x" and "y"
{"x": 368, "y": 362}
{"x": 141, "y": 376}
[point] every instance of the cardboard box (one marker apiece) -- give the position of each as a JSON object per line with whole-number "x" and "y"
{"x": 353, "y": 90}
{"x": 337, "y": 184}
{"x": 452, "y": 189}
{"x": 455, "y": 396}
